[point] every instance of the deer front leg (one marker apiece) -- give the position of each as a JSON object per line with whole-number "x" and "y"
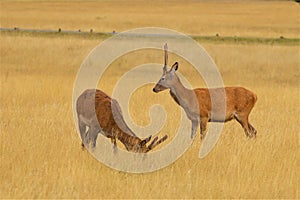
{"x": 92, "y": 136}
{"x": 194, "y": 128}
{"x": 203, "y": 124}
{"x": 82, "y": 130}
{"x": 113, "y": 136}
{"x": 113, "y": 140}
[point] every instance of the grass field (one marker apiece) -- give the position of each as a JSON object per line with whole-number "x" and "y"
{"x": 41, "y": 156}
{"x": 229, "y": 18}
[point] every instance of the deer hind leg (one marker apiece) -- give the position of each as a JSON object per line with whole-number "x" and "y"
{"x": 194, "y": 128}
{"x": 83, "y": 133}
{"x": 252, "y": 129}
{"x": 243, "y": 120}
{"x": 203, "y": 125}
{"x": 92, "y": 136}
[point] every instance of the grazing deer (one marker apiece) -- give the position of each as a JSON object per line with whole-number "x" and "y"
{"x": 197, "y": 102}
{"x": 100, "y": 113}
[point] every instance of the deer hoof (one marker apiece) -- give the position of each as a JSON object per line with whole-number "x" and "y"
{"x": 115, "y": 150}
{"x": 193, "y": 136}
{"x": 82, "y": 147}
{"x": 202, "y": 136}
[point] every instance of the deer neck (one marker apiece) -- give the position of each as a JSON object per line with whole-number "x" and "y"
{"x": 181, "y": 94}
{"x": 129, "y": 141}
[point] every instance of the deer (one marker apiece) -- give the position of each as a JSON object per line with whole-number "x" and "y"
{"x": 197, "y": 102}
{"x": 99, "y": 113}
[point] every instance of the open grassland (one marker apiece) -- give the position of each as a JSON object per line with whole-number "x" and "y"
{"x": 227, "y": 18}
{"x": 40, "y": 150}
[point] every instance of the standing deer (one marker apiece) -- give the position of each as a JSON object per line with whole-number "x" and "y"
{"x": 197, "y": 102}
{"x": 100, "y": 113}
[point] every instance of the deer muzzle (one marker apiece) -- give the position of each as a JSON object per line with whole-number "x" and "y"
{"x": 158, "y": 88}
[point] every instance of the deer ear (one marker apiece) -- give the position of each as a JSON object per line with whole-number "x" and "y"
{"x": 174, "y": 67}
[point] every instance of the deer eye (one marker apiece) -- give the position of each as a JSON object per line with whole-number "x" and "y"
{"x": 162, "y": 78}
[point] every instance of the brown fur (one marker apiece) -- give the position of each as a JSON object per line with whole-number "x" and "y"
{"x": 100, "y": 113}
{"x": 198, "y": 105}
{"x": 239, "y": 103}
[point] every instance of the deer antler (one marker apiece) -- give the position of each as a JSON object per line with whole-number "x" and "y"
{"x": 160, "y": 141}
{"x": 166, "y": 57}
{"x": 154, "y": 143}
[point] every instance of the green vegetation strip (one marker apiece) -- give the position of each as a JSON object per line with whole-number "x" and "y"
{"x": 249, "y": 40}
{"x": 207, "y": 39}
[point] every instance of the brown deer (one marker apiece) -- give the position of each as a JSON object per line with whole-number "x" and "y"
{"x": 100, "y": 113}
{"x": 197, "y": 102}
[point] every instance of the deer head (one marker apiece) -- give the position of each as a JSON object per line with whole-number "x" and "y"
{"x": 168, "y": 78}
{"x": 142, "y": 147}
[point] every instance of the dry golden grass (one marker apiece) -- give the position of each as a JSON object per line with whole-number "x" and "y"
{"x": 40, "y": 149}
{"x": 41, "y": 154}
{"x": 230, "y": 18}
